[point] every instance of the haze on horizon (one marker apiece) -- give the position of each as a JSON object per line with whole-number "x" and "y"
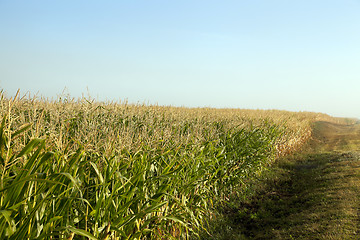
{"x": 287, "y": 55}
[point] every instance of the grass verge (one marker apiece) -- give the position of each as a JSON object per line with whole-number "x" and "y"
{"x": 307, "y": 196}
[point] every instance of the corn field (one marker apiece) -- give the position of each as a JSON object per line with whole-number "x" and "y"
{"x": 83, "y": 169}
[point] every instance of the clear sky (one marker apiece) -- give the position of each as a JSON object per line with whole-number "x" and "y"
{"x": 259, "y": 54}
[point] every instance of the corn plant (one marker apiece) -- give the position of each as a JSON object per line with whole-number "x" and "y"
{"x": 86, "y": 170}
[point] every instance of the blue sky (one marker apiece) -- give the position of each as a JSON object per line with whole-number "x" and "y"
{"x": 258, "y": 54}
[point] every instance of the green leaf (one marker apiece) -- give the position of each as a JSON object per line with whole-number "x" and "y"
{"x": 53, "y": 219}
{"x": 72, "y": 179}
{"x": 22, "y": 129}
{"x": 29, "y": 147}
{"x": 6, "y": 214}
{"x": 30, "y": 178}
{"x": 175, "y": 219}
{"x": 82, "y": 233}
{"x": 97, "y": 172}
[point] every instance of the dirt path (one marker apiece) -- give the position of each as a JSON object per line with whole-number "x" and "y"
{"x": 316, "y": 194}
{"x": 336, "y": 137}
